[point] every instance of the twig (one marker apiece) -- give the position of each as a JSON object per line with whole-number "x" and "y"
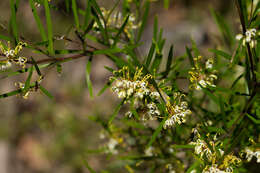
{"x": 57, "y": 59}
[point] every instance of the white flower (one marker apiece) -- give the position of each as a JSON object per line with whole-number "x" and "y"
{"x": 239, "y": 36}
{"x": 250, "y": 154}
{"x": 151, "y": 106}
{"x": 169, "y": 122}
{"x": 149, "y": 151}
{"x": 155, "y": 95}
{"x": 143, "y": 85}
{"x": 209, "y": 64}
{"x": 201, "y": 149}
{"x": 139, "y": 95}
{"x": 122, "y": 94}
{"x": 221, "y": 152}
{"x": 102, "y": 135}
{"x": 111, "y": 145}
{"x": 257, "y": 155}
{"x": 203, "y": 83}
{"x": 249, "y": 37}
{"x": 9, "y": 53}
{"x": 119, "y": 83}
{"x": 129, "y": 114}
{"x": 130, "y": 91}
{"x": 213, "y": 169}
{"x": 5, "y": 66}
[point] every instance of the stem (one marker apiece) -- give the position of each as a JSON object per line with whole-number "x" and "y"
{"x": 253, "y": 83}
{"x": 58, "y": 59}
{"x": 247, "y": 45}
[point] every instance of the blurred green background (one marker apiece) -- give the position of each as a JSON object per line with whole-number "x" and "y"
{"x": 39, "y": 135}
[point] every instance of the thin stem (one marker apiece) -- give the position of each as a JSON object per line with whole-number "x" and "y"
{"x": 58, "y": 59}
{"x": 247, "y": 44}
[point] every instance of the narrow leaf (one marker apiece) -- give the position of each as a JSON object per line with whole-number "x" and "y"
{"x": 75, "y": 13}
{"x": 46, "y": 92}
{"x": 49, "y": 27}
{"x": 115, "y": 113}
{"x": 156, "y": 132}
{"x": 144, "y": 20}
{"x": 88, "y": 71}
{"x": 38, "y": 21}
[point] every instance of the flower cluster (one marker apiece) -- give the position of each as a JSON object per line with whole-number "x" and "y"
{"x": 111, "y": 146}
{"x": 137, "y": 90}
{"x": 202, "y": 75}
{"x": 116, "y": 20}
{"x": 250, "y": 153}
{"x": 211, "y": 152}
{"x": 214, "y": 169}
{"x": 177, "y": 110}
{"x": 249, "y": 37}
{"x": 25, "y": 93}
{"x": 4, "y": 65}
{"x": 11, "y": 56}
{"x": 113, "y": 141}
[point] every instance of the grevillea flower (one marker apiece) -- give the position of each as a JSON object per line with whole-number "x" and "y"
{"x": 202, "y": 75}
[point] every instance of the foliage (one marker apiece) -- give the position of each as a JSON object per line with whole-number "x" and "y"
{"x": 210, "y": 126}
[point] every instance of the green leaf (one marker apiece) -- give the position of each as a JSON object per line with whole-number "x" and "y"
{"x": 176, "y": 146}
{"x": 144, "y": 20}
{"x": 121, "y": 29}
{"x": 13, "y": 24}
{"x": 96, "y": 7}
{"x": 107, "y": 51}
{"x": 188, "y": 52}
{"x": 253, "y": 119}
{"x": 3, "y": 37}
{"x": 221, "y": 53}
{"x": 36, "y": 67}
{"x": 236, "y": 81}
{"x": 14, "y": 73}
{"x": 166, "y": 4}
{"x": 38, "y": 21}
{"x": 194, "y": 166}
{"x": 49, "y": 27}
{"x": 88, "y": 167}
{"x": 150, "y": 55}
{"x": 219, "y": 130}
{"x": 101, "y": 27}
{"x": 67, "y": 5}
{"x": 88, "y": 71}
{"x": 46, "y": 92}
{"x": 67, "y": 51}
{"x": 243, "y": 10}
{"x": 156, "y": 132}
{"x": 28, "y": 80}
{"x": 59, "y": 68}
{"x": 115, "y": 113}
{"x": 223, "y": 27}
{"x": 156, "y": 62}
{"x": 155, "y": 28}
{"x": 211, "y": 96}
{"x": 106, "y": 86}
{"x": 169, "y": 61}
{"x": 12, "y": 93}
{"x": 75, "y": 13}
{"x": 195, "y": 48}
{"x": 87, "y": 15}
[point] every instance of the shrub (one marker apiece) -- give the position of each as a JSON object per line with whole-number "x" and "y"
{"x": 211, "y": 125}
